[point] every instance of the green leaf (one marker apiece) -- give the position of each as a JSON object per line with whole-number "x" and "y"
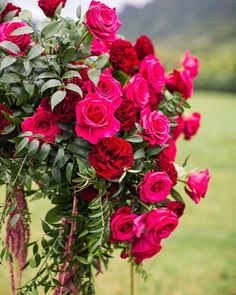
{"x": 60, "y": 155}
{"x": 33, "y": 147}
{"x": 69, "y": 169}
{"x": 45, "y": 180}
{"x": 22, "y": 31}
{"x": 56, "y": 174}
{"x": 135, "y": 139}
{"x": 57, "y": 98}
{"x": 50, "y": 84}
{"x": 7, "y": 61}
{"x": 155, "y": 150}
{"x": 75, "y": 88}
{"x": 139, "y": 154}
{"x": 8, "y": 129}
{"x": 8, "y": 45}
{"x": 10, "y": 78}
{"x": 51, "y": 29}
{"x": 15, "y": 219}
{"x": 78, "y": 11}
{"x": 28, "y": 67}
{"x": 35, "y": 51}
{"x": 176, "y": 195}
{"x": 3, "y": 4}
{"x": 121, "y": 76}
{"x": 71, "y": 74}
{"x": 34, "y": 291}
{"x": 25, "y": 15}
{"x": 47, "y": 75}
{"x": 102, "y": 60}
{"x": 53, "y": 216}
{"x": 29, "y": 87}
{"x": 22, "y": 144}
{"x": 28, "y": 182}
{"x": 44, "y": 151}
{"x": 82, "y": 260}
{"x": 94, "y": 75}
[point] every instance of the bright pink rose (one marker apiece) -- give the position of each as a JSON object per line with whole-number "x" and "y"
{"x": 110, "y": 88}
{"x": 95, "y": 119}
{"x": 169, "y": 152}
{"x": 190, "y": 64}
{"x": 41, "y": 123}
{"x": 143, "y": 249}
{"x": 102, "y": 21}
{"x": 156, "y": 127}
{"x": 22, "y": 41}
{"x": 137, "y": 91}
{"x": 177, "y": 130}
{"x": 153, "y": 71}
{"x": 191, "y": 125}
{"x": 155, "y": 187}
{"x": 180, "y": 82}
{"x": 98, "y": 47}
{"x": 176, "y": 207}
{"x": 197, "y": 185}
{"x": 160, "y": 223}
{"x": 122, "y": 225}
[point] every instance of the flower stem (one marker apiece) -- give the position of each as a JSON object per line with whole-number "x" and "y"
{"x": 132, "y": 280}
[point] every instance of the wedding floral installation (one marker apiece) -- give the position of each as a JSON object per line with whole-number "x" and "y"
{"x": 89, "y": 123}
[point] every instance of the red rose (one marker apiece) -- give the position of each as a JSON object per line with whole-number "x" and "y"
{"x": 176, "y": 207}
{"x": 169, "y": 152}
{"x": 180, "y": 82}
{"x": 177, "y": 130}
{"x": 111, "y": 157}
{"x": 49, "y": 6}
{"x": 3, "y": 121}
{"x": 169, "y": 168}
{"x": 89, "y": 193}
{"x": 123, "y": 56}
{"x": 22, "y": 41}
{"x": 155, "y": 99}
{"x": 127, "y": 114}
{"x": 191, "y": 125}
{"x": 190, "y": 64}
{"x": 142, "y": 249}
{"x": 122, "y": 225}
{"x": 144, "y": 47}
{"x": 10, "y": 8}
{"x": 42, "y": 123}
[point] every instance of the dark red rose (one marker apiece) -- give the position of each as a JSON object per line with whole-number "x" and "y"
{"x": 123, "y": 56}
{"x": 169, "y": 168}
{"x": 49, "y": 6}
{"x": 10, "y": 8}
{"x": 155, "y": 99}
{"x": 127, "y": 114}
{"x": 89, "y": 193}
{"x": 144, "y": 47}
{"x": 176, "y": 207}
{"x": 169, "y": 152}
{"x": 3, "y": 121}
{"x": 111, "y": 157}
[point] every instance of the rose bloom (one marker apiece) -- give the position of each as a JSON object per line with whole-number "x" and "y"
{"x": 111, "y": 157}
{"x": 98, "y": 47}
{"x": 89, "y": 194}
{"x": 156, "y": 127}
{"x": 169, "y": 152}
{"x": 169, "y": 168}
{"x": 137, "y": 90}
{"x": 123, "y": 56}
{"x": 22, "y": 41}
{"x": 155, "y": 99}
{"x": 122, "y": 225}
{"x": 3, "y": 121}
{"x": 191, "y": 125}
{"x": 197, "y": 185}
{"x": 144, "y": 47}
{"x": 153, "y": 71}
{"x": 155, "y": 187}
{"x": 180, "y": 82}
{"x": 95, "y": 119}
{"x": 177, "y": 130}
{"x": 142, "y": 249}
{"x": 102, "y": 21}
{"x": 160, "y": 223}
{"x": 110, "y": 88}
{"x": 176, "y": 206}
{"x": 49, "y": 6}
{"x": 190, "y": 64}
{"x": 10, "y": 8}
{"x": 127, "y": 114}
{"x": 41, "y": 123}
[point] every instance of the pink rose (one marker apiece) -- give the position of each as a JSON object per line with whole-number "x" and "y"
{"x": 122, "y": 225}
{"x": 177, "y": 130}
{"x": 197, "y": 185}
{"x": 41, "y": 123}
{"x": 156, "y": 127}
{"x": 155, "y": 187}
{"x": 153, "y": 71}
{"x": 102, "y": 21}
{"x": 160, "y": 223}
{"x": 191, "y": 125}
{"x": 95, "y": 119}
{"x": 176, "y": 207}
{"x": 180, "y": 82}
{"x": 142, "y": 249}
{"x": 190, "y": 64}
{"x": 98, "y": 47}
{"x": 22, "y": 41}
{"x": 137, "y": 91}
{"x": 169, "y": 152}
{"x": 109, "y": 88}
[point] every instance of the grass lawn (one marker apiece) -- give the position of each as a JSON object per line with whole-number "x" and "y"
{"x": 200, "y": 257}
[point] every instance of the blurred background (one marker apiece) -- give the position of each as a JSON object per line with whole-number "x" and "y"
{"x": 200, "y": 257}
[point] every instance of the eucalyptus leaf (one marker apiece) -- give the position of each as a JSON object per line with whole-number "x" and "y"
{"x": 57, "y": 97}
{"x": 7, "y": 61}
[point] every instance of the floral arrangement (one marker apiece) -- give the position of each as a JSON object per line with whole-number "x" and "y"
{"x": 89, "y": 122}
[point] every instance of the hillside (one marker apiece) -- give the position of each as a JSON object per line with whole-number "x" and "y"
{"x": 207, "y": 27}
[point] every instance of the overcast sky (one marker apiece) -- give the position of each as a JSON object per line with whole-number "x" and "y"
{"x": 71, "y": 5}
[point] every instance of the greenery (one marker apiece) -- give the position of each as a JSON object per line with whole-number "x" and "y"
{"x": 198, "y": 258}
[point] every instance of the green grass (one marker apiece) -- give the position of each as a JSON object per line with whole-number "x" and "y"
{"x": 199, "y": 258}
